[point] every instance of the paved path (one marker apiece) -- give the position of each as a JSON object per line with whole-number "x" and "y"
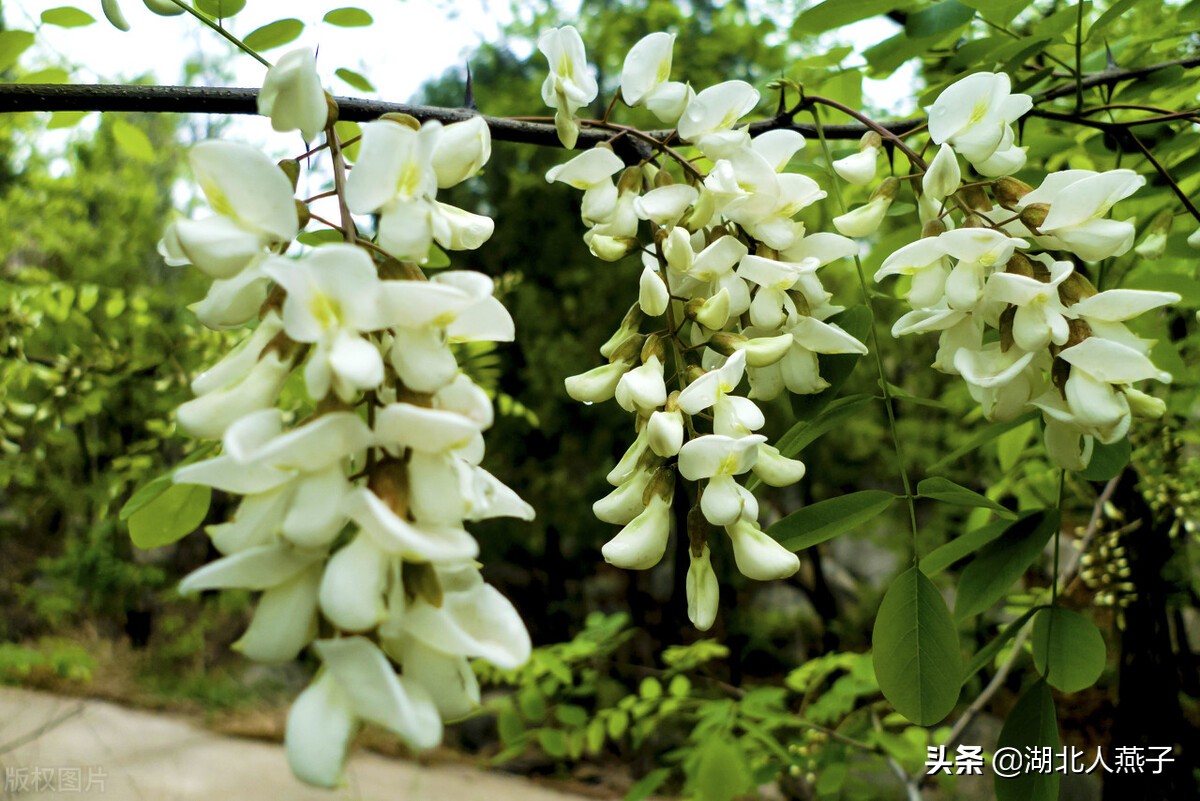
{"x": 128, "y": 754}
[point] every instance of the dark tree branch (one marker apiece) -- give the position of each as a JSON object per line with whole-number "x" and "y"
{"x": 203, "y": 100}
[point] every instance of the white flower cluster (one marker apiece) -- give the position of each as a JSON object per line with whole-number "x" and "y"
{"x": 1026, "y": 330}
{"x": 351, "y": 522}
{"x": 730, "y": 286}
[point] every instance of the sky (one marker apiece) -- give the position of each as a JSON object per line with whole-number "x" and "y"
{"x": 410, "y": 42}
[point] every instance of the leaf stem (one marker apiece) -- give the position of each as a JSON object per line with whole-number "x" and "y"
{"x": 236, "y": 42}
{"x": 874, "y": 337}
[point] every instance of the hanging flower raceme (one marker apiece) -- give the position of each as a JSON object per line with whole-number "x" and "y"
{"x": 350, "y": 521}
{"x": 730, "y": 307}
{"x": 1026, "y": 330}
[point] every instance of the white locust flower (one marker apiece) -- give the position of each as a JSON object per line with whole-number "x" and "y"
{"x": 974, "y": 115}
{"x": 943, "y": 175}
{"x": 703, "y": 591}
{"x": 859, "y": 169}
{"x": 708, "y": 120}
{"x": 358, "y": 684}
{"x": 1040, "y": 317}
{"x": 254, "y": 206}
{"x": 461, "y": 151}
{"x": 719, "y": 458}
{"x": 644, "y": 78}
{"x": 570, "y": 84}
{"x": 592, "y": 171}
{"x": 758, "y": 556}
{"x": 640, "y": 545}
{"x": 292, "y": 95}
{"x": 1078, "y": 199}
{"x": 332, "y": 299}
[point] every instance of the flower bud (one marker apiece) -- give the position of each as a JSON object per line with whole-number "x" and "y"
{"x": 975, "y": 198}
{"x": 1034, "y": 215}
{"x": 292, "y": 95}
{"x": 1075, "y": 288}
{"x": 640, "y": 545}
{"x": 612, "y": 248}
{"x": 775, "y": 469}
{"x": 462, "y": 150}
{"x": 653, "y": 296}
{"x": 1008, "y": 191}
{"x": 630, "y": 180}
{"x": 943, "y": 176}
{"x": 653, "y": 348}
{"x": 714, "y": 312}
{"x": 665, "y": 430}
{"x": 935, "y": 227}
{"x": 629, "y": 325}
{"x": 400, "y": 118}
{"x": 624, "y": 503}
{"x": 765, "y": 351}
{"x": 859, "y": 169}
{"x": 598, "y": 384}
{"x": 888, "y": 188}
{"x": 1144, "y": 405}
{"x": 701, "y": 212}
{"x": 726, "y": 342}
{"x": 703, "y": 591}
{"x": 1019, "y": 264}
{"x": 865, "y": 219}
{"x": 630, "y": 349}
{"x": 758, "y": 556}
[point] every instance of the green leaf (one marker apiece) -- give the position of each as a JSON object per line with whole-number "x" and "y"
{"x": 1030, "y": 724}
{"x": 274, "y": 34}
{"x": 509, "y": 726}
{"x": 650, "y": 689}
{"x": 946, "y": 491}
{"x": 316, "y": 238}
{"x": 357, "y": 80}
{"x": 553, "y": 742}
{"x": 997, "y": 567}
{"x": 12, "y": 45}
{"x": 836, "y": 13}
{"x": 532, "y": 704}
{"x": 805, "y": 432}
{"x": 145, "y": 495}
{"x": 67, "y": 17}
{"x": 998, "y": 11}
{"x": 962, "y": 546}
{"x": 436, "y": 259}
{"x": 220, "y": 9}
{"x": 937, "y": 19}
{"x": 984, "y": 436}
{"x": 644, "y": 787}
{"x": 571, "y": 715}
{"x": 133, "y": 141}
{"x": 47, "y": 75}
{"x": 349, "y": 17}
{"x": 721, "y": 771}
{"x": 1110, "y": 15}
{"x": 346, "y": 131}
{"x": 170, "y": 516}
{"x": 1072, "y": 646}
{"x": 836, "y": 368}
{"x": 915, "y": 650}
{"x": 821, "y": 521}
{"x": 988, "y": 652}
{"x": 1107, "y": 461}
{"x": 65, "y": 119}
